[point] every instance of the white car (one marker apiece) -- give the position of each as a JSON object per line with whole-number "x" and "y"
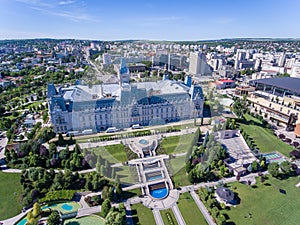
{"x": 111, "y": 130}
{"x": 137, "y": 126}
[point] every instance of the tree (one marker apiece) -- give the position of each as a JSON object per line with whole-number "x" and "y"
{"x": 60, "y": 139}
{"x": 273, "y": 169}
{"x": 105, "y": 192}
{"x": 119, "y": 191}
{"x": 221, "y": 219}
{"x": 98, "y": 166}
{"x": 285, "y": 167}
{"x": 262, "y": 164}
{"x": 239, "y": 106}
{"x": 52, "y": 149}
{"x": 105, "y": 207}
{"x": 111, "y": 193}
{"x": 254, "y": 166}
{"x": 30, "y": 217}
{"x": 36, "y": 209}
{"x": 115, "y": 218}
{"x": 54, "y": 219}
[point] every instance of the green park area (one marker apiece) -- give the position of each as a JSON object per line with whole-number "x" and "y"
{"x": 272, "y": 202}
{"x": 189, "y": 210}
{"x": 168, "y": 217}
{"x": 112, "y": 153}
{"x": 10, "y": 195}
{"x": 117, "y": 151}
{"x": 116, "y": 154}
{"x": 178, "y": 144}
{"x": 263, "y": 138}
{"x": 178, "y": 172}
{"x": 142, "y": 215}
{"x": 87, "y": 220}
{"x": 180, "y": 178}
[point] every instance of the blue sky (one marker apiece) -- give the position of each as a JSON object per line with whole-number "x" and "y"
{"x": 155, "y": 20}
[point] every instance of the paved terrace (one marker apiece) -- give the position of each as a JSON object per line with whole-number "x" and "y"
{"x": 238, "y": 150}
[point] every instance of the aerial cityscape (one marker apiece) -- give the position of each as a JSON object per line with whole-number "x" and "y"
{"x": 149, "y": 112}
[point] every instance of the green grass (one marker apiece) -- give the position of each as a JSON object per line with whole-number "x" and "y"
{"x": 178, "y": 144}
{"x": 177, "y": 164}
{"x": 117, "y": 151}
{"x": 180, "y": 178}
{"x": 168, "y": 217}
{"x": 10, "y": 195}
{"x": 124, "y": 174}
{"x": 86, "y": 220}
{"x": 266, "y": 204}
{"x": 189, "y": 210}
{"x": 105, "y": 154}
{"x": 58, "y": 207}
{"x": 263, "y": 138}
{"x": 142, "y": 215}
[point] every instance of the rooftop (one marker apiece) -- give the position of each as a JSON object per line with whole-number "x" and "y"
{"x": 288, "y": 83}
{"x": 225, "y": 194}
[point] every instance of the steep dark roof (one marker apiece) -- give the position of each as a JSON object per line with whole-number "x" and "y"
{"x": 225, "y": 194}
{"x": 288, "y": 83}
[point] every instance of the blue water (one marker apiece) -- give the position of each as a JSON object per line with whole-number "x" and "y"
{"x": 143, "y": 142}
{"x": 67, "y": 207}
{"x": 22, "y": 222}
{"x": 155, "y": 177}
{"x": 159, "y": 193}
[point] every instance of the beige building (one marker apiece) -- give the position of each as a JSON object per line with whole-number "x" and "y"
{"x": 279, "y": 98}
{"x": 198, "y": 64}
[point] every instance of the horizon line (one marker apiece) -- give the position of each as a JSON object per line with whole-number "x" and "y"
{"x": 162, "y": 40}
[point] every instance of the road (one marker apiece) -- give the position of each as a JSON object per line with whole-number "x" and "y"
{"x": 178, "y": 215}
{"x": 202, "y": 208}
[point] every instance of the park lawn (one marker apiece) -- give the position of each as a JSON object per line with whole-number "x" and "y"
{"x": 177, "y": 164}
{"x": 125, "y": 175}
{"x": 180, "y": 178}
{"x": 117, "y": 151}
{"x": 178, "y": 144}
{"x": 142, "y": 215}
{"x": 166, "y": 218}
{"x": 10, "y": 195}
{"x": 266, "y": 204}
{"x": 263, "y": 138}
{"x": 107, "y": 153}
{"x": 189, "y": 210}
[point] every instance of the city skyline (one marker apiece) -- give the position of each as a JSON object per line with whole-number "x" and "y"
{"x": 146, "y": 20}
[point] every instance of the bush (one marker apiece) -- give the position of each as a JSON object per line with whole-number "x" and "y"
{"x": 58, "y": 195}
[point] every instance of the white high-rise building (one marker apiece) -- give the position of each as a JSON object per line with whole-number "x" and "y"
{"x": 198, "y": 64}
{"x": 281, "y": 60}
{"x": 296, "y": 70}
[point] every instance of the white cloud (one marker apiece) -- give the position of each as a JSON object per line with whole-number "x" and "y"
{"x": 62, "y": 9}
{"x": 70, "y": 15}
{"x": 68, "y": 2}
{"x": 168, "y": 18}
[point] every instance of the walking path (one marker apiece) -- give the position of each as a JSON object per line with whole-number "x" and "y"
{"x": 178, "y": 215}
{"x": 202, "y": 208}
{"x": 13, "y": 220}
{"x": 157, "y": 217}
{"x": 88, "y": 211}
